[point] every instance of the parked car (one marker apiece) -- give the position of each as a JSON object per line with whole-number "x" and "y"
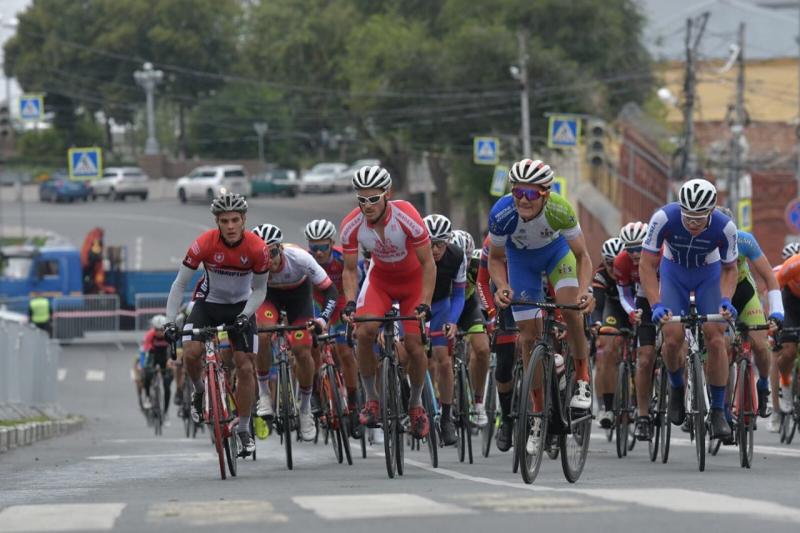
{"x": 277, "y": 182}
{"x": 344, "y": 180}
{"x": 59, "y": 188}
{"x": 208, "y": 182}
{"x": 321, "y": 177}
{"x": 118, "y": 183}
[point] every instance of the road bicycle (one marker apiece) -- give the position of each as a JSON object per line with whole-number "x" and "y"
{"x": 658, "y": 410}
{"x": 463, "y": 397}
{"x": 335, "y": 411}
{"x": 625, "y": 392}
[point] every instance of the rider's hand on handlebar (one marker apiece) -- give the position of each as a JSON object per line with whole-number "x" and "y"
{"x": 661, "y": 313}
{"x": 242, "y": 322}
{"x": 450, "y": 330}
{"x": 635, "y": 316}
{"x": 503, "y": 296}
{"x": 171, "y": 331}
{"x": 349, "y": 309}
{"x": 423, "y": 311}
{"x": 318, "y": 325}
{"x": 585, "y": 301}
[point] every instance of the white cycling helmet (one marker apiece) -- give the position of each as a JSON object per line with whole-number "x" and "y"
{"x": 439, "y": 227}
{"x": 320, "y": 230}
{"x": 697, "y": 196}
{"x": 531, "y": 171}
{"x": 612, "y": 248}
{"x": 229, "y": 202}
{"x": 633, "y": 233}
{"x": 158, "y": 321}
{"x": 463, "y": 240}
{"x": 374, "y": 177}
{"x": 793, "y": 248}
{"x": 269, "y": 233}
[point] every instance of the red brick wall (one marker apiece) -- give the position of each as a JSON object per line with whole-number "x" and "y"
{"x": 772, "y": 191}
{"x": 594, "y": 233}
{"x": 642, "y": 175}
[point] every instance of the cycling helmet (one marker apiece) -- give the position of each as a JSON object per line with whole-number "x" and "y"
{"x": 439, "y": 227}
{"x": 320, "y": 229}
{"x": 531, "y": 171}
{"x": 158, "y": 321}
{"x": 632, "y": 233}
{"x": 612, "y": 247}
{"x": 463, "y": 240}
{"x": 229, "y": 202}
{"x": 793, "y": 248}
{"x": 372, "y": 178}
{"x": 269, "y": 233}
{"x": 697, "y": 196}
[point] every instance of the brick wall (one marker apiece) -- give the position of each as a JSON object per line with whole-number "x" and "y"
{"x": 594, "y": 232}
{"x": 772, "y": 191}
{"x": 643, "y": 177}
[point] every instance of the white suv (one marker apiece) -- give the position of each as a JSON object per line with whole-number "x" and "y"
{"x": 118, "y": 183}
{"x": 209, "y": 182}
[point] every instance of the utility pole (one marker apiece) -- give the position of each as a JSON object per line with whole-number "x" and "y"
{"x": 688, "y": 165}
{"x": 524, "y": 96}
{"x": 261, "y": 130}
{"x": 737, "y": 123}
{"x": 148, "y": 78}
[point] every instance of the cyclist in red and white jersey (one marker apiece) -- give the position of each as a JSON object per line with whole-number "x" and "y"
{"x": 293, "y": 275}
{"x": 402, "y": 270}
{"x": 233, "y": 286}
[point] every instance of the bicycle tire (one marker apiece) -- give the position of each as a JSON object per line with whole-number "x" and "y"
{"x": 430, "y": 412}
{"x": 231, "y": 441}
{"x": 530, "y": 463}
{"x": 186, "y": 409}
{"x": 331, "y": 434}
{"x": 746, "y": 416}
{"x": 156, "y": 391}
{"x": 632, "y": 408}
{"x": 387, "y": 421}
{"x": 253, "y": 432}
{"x": 399, "y": 417}
{"x": 284, "y": 395}
{"x": 462, "y": 415}
{"x": 215, "y": 417}
{"x": 574, "y": 446}
{"x": 666, "y": 426}
{"x": 340, "y": 426}
{"x": 794, "y": 417}
{"x": 653, "y": 410}
{"x": 515, "y": 396}
{"x": 364, "y": 429}
{"x": 621, "y": 415}
{"x": 490, "y": 405}
{"x": 698, "y": 411}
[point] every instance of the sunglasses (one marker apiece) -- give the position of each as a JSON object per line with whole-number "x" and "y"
{"x": 528, "y": 194}
{"x": 439, "y": 244}
{"x": 371, "y": 200}
{"x": 275, "y": 251}
{"x": 634, "y": 249}
{"x": 694, "y": 220}
{"x": 319, "y": 248}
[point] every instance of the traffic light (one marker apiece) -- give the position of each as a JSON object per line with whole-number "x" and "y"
{"x": 596, "y": 133}
{"x": 5, "y": 122}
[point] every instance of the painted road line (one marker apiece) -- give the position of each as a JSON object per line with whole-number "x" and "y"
{"x": 757, "y": 448}
{"x": 357, "y": 506}
{"x": 688, "y": 501}
{"x": 95, "y": 375}
{"x": 520, "y": 503}
{"x": 62, "y": 374}
{"x": 205, "y": 456}
{"x": 60, "y": 517}
{"x": 209, "y": 513}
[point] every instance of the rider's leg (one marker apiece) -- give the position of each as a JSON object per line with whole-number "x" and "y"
{"x": 479, "y": 363}
{"x": 347, "y": 364}
{"x": 263, "y": 363}
{"x": 606, "y": 360}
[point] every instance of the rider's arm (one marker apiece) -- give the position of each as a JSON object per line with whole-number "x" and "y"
{"x": 648, "y": 268}
{"x": 257, "y": 296}
{"x": 728, "y": 279}
{"x": 350, "y": 276}
{"x": 482, "y": 285}
{"x": 456, "y": 303}
{"x": 330, "y": 295}
{"x": 762, "y": 268}
{"x": 627, "y": 297}
{"x": 729, "y": 255}
{"x": 584, "y": 263}
{"x": 175, "y": 298}
{"x": 425, "y": 256}
{"x": 497, "y": 266}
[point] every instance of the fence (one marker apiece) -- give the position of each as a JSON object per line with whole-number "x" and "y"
{"x": 75, "y": 315}
{"x": 147, "y": 305}
{"x": 28, "y": 365}
{"x": 16, "y": 304}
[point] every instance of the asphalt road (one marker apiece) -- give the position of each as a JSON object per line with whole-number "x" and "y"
{"x": 116, "y": 475}
{"x": 158, "y": 232}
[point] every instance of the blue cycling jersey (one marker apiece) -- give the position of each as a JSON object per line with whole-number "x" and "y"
{"x": 748, "y": 245}
{"x": 718, "y": 242}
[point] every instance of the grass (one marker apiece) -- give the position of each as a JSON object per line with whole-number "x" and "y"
{"x": 7, "y": 423}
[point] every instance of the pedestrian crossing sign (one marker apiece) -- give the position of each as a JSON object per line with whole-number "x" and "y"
{"x": 563, "y": 132}
{"x": 485, "y": 150}
{"x": 31, "y": 107}
{"x": 85, "y": 163}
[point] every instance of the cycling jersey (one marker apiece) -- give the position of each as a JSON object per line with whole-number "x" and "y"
{"x": 748, "y": 249}
{"x": 228, "y": 268}
{"x": 716, "y": 243}
{"x": 789, "y": 275}
{"x": 626, "y": 274}
{"x": 603, "y": 282}
{"x": 483, "y": 281}
{"x": 156, "y": 348}
{"x": 403, "y": 232}
{"x": 296, "y": 266}
{"x": 556, "y": 219}
{"x": 334, "y": 268}
{"x": 451, "y": 272}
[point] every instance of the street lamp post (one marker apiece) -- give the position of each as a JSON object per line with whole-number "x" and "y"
{"x": 261, "y": 130}
{"x": 148, "y": 78}
{"x": 520, "y": 73}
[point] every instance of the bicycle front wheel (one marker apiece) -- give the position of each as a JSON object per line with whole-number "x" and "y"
{"x": 490, "y": 404}
{"x": 746, "y": 415}
{"x": 621, "y": 415}
{"x": 212, "y": 397}
{"x": 389, "y": 401}
{"x": 462, "y": 410}
{"x": 340, "y": 423}
{"x": 430, "y": 412}
{"x": 158, "y": 403}
{"x": 286, "y": 410}
{"x": 533, "y": 421}
{"x": 699, "y": 411}
{"x": 574, "y": 445}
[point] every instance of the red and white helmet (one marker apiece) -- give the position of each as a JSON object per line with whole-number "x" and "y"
{"x": 531, "y": 171}
{"x": 633, "y": 233}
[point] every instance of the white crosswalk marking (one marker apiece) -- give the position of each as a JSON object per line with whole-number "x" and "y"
{"x": 60, "y": 517}
{"x": 375, "y": 506}
{"x": 208, "y": 513}
{"x": 95, "y": 375}
{"x": 62, "y": 374}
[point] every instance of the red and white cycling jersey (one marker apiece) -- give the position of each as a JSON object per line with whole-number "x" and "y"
{"x": 229, "y": 268}
{"x": 297, "y": 266}
{"x": 403, "y": 232}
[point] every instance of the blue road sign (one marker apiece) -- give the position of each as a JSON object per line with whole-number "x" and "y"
{"x": 563, "y": 132}
{"x": 485, "y": 150}
{"x": 31, "y": 106}
{"x": 85, "y": 163}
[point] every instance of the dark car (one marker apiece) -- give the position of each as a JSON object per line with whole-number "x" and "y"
{"x": 59, "y": 188}
{"x": 276, "y": 182}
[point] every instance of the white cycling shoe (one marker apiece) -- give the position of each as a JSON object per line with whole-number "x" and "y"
{"x": 480, "y": 415}
{"x": 582, "y": 398}
{"x": 307, "y": 429}
{"x": 264, "y": 406}
{"x": 532, "y": 445}
{"x": 785, "y": 400}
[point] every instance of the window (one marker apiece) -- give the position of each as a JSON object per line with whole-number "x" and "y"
{"x": 109, "y": 174}
{"x": 134, "y": 174}
{"x": 234, "y": 174}
{"x": 48, "y": 268}
{"x": 18, "y": 267}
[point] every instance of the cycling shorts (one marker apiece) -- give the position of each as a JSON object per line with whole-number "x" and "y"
{"x": 471, "y": 319}
{"x": 647, "y": 330}
{"x": 745, "y": 300}
{"x": 205, "y": 314}
{"x": 791, "y": 315}
{"x": 614, "y": 316}
{"x": 525, "y": 269}
{"x": 298, "y": 305}
{"x": 678, "y": 281}
{"x": 381, "y": 289}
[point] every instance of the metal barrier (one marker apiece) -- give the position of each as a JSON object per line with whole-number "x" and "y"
{"x": 74, "y": 316}
{"x": 18, "y": 304}
{"x": 149, "y": 304}
{"x": 28, "y": 365}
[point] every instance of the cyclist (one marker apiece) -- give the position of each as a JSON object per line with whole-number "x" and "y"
{"x": 156, "y": 348}
{"x": 180, "y": 320}
{"x": 294, "y": 275}
{"x": 447, "y": 304}
{"x": 537, "y": 230}
{"x": 700, "y": 255}
{"x": 789, "y": 250}
{"x": 748, "y": 305}
{"x": 608, "y": 313}
{"x": 472, "y": 321}
{"x": 401, "y": 269}
{"x": 233, "y": 286}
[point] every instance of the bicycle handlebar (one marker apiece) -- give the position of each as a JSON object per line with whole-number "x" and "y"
{"x": 281, "y": 328}
{"x": 547, "y": 305}
{"x": 384, "y": 320}
{"x": 716, "y": 317}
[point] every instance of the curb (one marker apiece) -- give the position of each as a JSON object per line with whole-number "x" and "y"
{"x": 27, "y": 433}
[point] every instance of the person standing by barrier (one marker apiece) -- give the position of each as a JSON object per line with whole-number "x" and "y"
{"x": 40, "y": 315}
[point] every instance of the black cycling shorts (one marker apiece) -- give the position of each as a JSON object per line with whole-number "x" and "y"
{"x": 297, "y": 303}
{"x": 614, "y": 316}
{"x": 791, "y": 315}
{"x": 647, "y": 330}
{"x": 205, "y": 314}
{"x": 471, "y": 315}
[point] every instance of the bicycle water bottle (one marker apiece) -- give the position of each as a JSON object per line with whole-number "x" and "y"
{"x": 559, "y": 364}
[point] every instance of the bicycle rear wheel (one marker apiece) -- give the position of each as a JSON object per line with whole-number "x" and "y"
{"x": 621, "y": 415}
{"x": 746, "y": 415}
{"x": 388, "y": 404}
{"x": 340, "y": 425}
{"x": 574, "y": 445}
{"x": 699, "y": 411}
{"x": 215, "y": 415}
{"x": 530, "y": 460}
{"x": 666, "y": 426}
{"x": 328, "y": 415}
{"x": 653, "y": 411}
{"x": 519, "y": 376}
{"x": 286, "y": 409}
{"x": 430, "y": 412}
{"x": 490, "y": 404}
{"x": 461, "y": 410}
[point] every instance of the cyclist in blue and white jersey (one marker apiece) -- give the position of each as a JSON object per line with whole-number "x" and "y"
{"x": 700, "y": 255}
